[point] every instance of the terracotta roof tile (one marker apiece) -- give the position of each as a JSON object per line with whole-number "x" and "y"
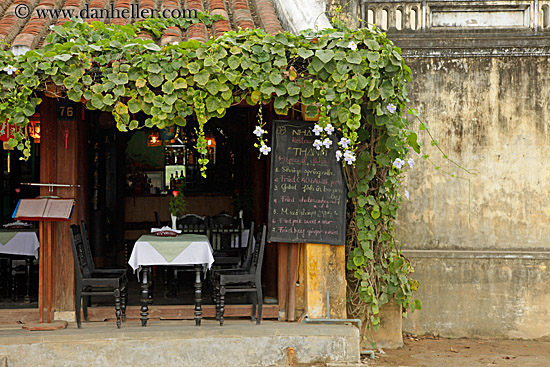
{"x": 30, "y": 32}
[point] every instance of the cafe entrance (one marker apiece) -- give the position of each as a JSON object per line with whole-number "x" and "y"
{"x": 132, "y": 176}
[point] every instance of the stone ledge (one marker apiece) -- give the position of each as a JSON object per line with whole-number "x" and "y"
{"x": 179, "y": 343}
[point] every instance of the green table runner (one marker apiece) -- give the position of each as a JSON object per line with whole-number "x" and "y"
{"x": 6, "y": 237}
{"x": 171, "y": 247}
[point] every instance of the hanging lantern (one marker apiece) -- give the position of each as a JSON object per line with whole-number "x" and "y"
{"x": 34, "y": 127}
{"x": 154, "y": 139}
{"x": 210, "y": 140}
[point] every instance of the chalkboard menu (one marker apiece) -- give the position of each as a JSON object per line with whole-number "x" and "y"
{"x": 307, "y": 195}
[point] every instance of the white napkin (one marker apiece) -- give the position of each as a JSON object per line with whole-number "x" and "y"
{"x": 165, "y": 229}
{"x": 17, "y": 224}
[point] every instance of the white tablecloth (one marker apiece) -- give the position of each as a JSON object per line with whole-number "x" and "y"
{"x": 23, "y": 243}
{"x": 198, "y": 252}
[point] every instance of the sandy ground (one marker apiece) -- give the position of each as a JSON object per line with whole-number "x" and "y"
{"x": 439, "y": 352}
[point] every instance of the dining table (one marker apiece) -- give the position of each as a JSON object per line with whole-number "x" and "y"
{"x": 181, "y": 250}
{"x": 20, "y": 243}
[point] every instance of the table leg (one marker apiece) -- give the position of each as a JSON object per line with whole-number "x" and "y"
{"x": 145, "y": 295}
{"x": 28, "y": 264}
{"x": 198, "y": 295}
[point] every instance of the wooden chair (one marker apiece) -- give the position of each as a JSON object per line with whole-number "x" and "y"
{"x": 96, "y": 271}
{"x": 223, "y": 230}
{"x": 247, "y": 281}
{"x": 95, "y": 284}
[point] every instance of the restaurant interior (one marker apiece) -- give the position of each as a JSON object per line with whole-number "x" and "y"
{"x": 132, "y": 177}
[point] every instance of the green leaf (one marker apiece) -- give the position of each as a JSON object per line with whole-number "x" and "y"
{"x": 353, "y": 58}
{"x": 97, "y": 101}
{"x": 373, "y": 56}
{"x": 168, "y": 87}
{"x": 275, "y": 77}
{"x": 121, "y": 79}
{"x": 212, "y": 103}
{"x": 180, "y": 83}
{"x": 233, "y": 61}
{"x": 133, "y": 124}
{"x": 154, "y": 68}
{"x": 70, "y": 81}
{"x": 373, "y": 45}
{"x": 324, "y": 55}
{"x": 134, "y": 105}
{"x": 155, "y": 80}
{"x": 386, "y": 90}
{"x": 375, "y": 213}
{"x": 292, "y": 89}
{"x": 304, "y": 53}
{"x": 317, "y": 64}
{"x": 202, "y": 77}
{"x": 307, "y": 89}
{"x": 108, "y": 99}
{"x": 255, "y": 96}
{"x": 213, "y": 86}
{"x": 73, "y": 95}
{"x": 152, "y": 46}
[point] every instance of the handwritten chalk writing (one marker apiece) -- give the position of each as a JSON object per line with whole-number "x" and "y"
{"x": 307, "y": 200}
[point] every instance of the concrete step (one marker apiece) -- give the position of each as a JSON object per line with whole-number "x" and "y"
{"x": 239, "y": 343}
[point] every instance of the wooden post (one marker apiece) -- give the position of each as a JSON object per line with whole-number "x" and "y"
{"x": 292, "y": 274}
{"x": 325, "y": 271}
{"x": 282, "y": 280}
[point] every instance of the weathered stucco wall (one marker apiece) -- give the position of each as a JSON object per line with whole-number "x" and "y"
{"x": 481, "y": 244}
{"x": 491, "y": 115}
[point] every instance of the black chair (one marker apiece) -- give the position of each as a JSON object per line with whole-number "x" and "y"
{"x": 190, "y": 224}
{"x": 95, "y": 284}
{"x": 223, "y": 230}
{"x": 89, "y": 258}
{"x": 157, "y": 220}
{"x": 245, "y": 282}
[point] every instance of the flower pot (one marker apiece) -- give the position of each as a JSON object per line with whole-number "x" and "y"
{"x": 174, "y": 224}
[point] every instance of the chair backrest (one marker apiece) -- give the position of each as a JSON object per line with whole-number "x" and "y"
{"x": 223, "y": 230}
{"x": 192, "y": 223}
{"x": 259, "y": 250}
{"x": 80, "y": 264}
{"x": 157, "y": 219}
{"x": 249, "y": 248}
{"x": 86, "y": 244}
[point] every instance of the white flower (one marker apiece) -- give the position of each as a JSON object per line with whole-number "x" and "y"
{"x": 344, "y": 142}
{"x": 10, "y": 69}
{"x": 327, "y": 142}
{"x": 406, "y": 194}
{"x": 398, "y": 163}
{"x": 338, "y": 155}
{"x": 317, "y": 144}
{"x": 265, "y": 149}
{"x": 317, "y": 130}
{"x": 349, "y": 157}
{"x": 391, "y": 107}
{"x": 259, "y": 131}
{"x": 352, "y": 46}
{"x": 329, "y": 129}
{"x": 411, "y": 162}
{"x": 72, "y": 40}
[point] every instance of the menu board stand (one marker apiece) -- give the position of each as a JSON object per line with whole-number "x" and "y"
{"x": 47, "y": 210}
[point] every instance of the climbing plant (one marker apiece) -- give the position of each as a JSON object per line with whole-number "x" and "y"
{"x": 355, "y": 81}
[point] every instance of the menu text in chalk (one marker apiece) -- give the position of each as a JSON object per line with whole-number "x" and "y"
{"x": 307, "y": 196}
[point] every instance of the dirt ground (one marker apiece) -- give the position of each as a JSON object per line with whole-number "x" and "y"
{"x": 440, "y": 352}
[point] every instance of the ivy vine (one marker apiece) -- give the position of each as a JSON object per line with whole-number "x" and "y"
{"x": 354, "y": 79}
